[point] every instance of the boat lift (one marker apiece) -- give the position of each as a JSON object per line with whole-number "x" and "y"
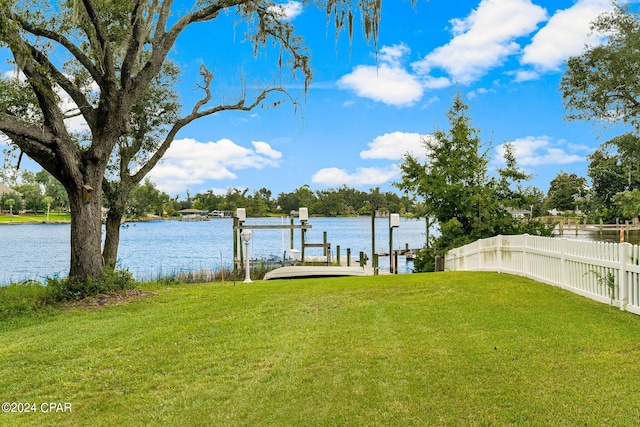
{"x": 303, "y": 214}
{"x": 239, "y": 224}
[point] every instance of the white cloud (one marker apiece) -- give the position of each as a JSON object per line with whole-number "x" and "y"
{"x": 526, "y": 75}
{"x": 266, "y": 150}
{"x": 565, "y": 35}
{"x": 430, "y": 82}
{"x": 390, "y": 146}
{"x": 289, "y": 10}
{"x": 362, "y": 176}
{"x": 483, "y": 40}
{"x": 542, "y": 151}
{"x": 393, "y": 54}
{"x": 480, "y": 91}
{"x": 388, "y": 83}
{"x": 189, "y": 162}
{"x": 393, "y": 146}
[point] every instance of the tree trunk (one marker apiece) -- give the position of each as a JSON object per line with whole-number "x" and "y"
{"x": 112, "y": 238}
{"x": 86, "y": 232}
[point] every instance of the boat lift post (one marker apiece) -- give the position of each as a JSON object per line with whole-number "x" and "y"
{"x": 239, "y": 224}
{"x": 394, "y": 222}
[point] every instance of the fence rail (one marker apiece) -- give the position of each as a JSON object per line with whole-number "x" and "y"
{"x": 603, "y": 271}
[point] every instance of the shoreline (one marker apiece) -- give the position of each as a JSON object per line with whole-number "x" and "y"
{"x": 35, "y": 222}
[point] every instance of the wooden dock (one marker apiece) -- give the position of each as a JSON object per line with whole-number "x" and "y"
{"x": 303, "y": 271}
{"x": 577, "y": 226}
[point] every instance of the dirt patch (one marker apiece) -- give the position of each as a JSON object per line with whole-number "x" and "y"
{"x": 117, "y": 298}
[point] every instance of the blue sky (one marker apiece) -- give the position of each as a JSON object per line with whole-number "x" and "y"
{"x": 360, "y": 115}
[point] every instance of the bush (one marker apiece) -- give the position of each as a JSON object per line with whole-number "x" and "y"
{"x": 71, "y": 289}
{"x": 425, "y": 261}
{"x": 19, "y": 299}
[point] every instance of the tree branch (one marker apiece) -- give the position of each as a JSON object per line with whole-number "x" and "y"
{"x": 164, "y": 40}
{"x": 58, "y": 38}
{"x": 102, "y": 38}
{"x": 163, "y": 16}
{"x": 45, "y": 155}
{"x": 195, "y": 114}
{"x": 42, "y": 88}
{"x": 16, "y": 127}
{"x": 86, "y": 109}
{"x": 137, "y": 38}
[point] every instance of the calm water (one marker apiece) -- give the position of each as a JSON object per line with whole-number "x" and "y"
{"x": 165, "y": 248}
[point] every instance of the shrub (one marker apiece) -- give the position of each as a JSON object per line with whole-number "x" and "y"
{"x": 71, "y": 289}
{"x": 425, "y": 261}
{"x": 22, "y": 298}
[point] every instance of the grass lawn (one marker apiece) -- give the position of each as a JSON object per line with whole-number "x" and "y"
{"x": 34, "y": 218}
{"x": 407, "y": 350}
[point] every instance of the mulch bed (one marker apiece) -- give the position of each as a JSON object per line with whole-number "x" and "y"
{"x": 116, "y": 298}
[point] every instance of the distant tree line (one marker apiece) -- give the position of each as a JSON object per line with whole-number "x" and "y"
{"x": 328, "y": 202}
{"x": 610, "y": 191}
{"x": 39, "y": 189}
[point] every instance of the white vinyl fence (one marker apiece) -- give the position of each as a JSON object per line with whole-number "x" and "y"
{"x": 603, "y": 271}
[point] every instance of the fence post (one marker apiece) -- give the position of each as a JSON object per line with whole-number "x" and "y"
{"x": 525, "y": 260}
{"x": 623, "y": 282}
{"x": 564, "y": 279}
{"x": 499, "y": 253}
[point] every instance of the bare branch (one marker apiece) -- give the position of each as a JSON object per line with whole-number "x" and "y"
{"x": 207, "y": 77}
{"x": 163, "y": 41}
{"x": 241, "y": 105}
